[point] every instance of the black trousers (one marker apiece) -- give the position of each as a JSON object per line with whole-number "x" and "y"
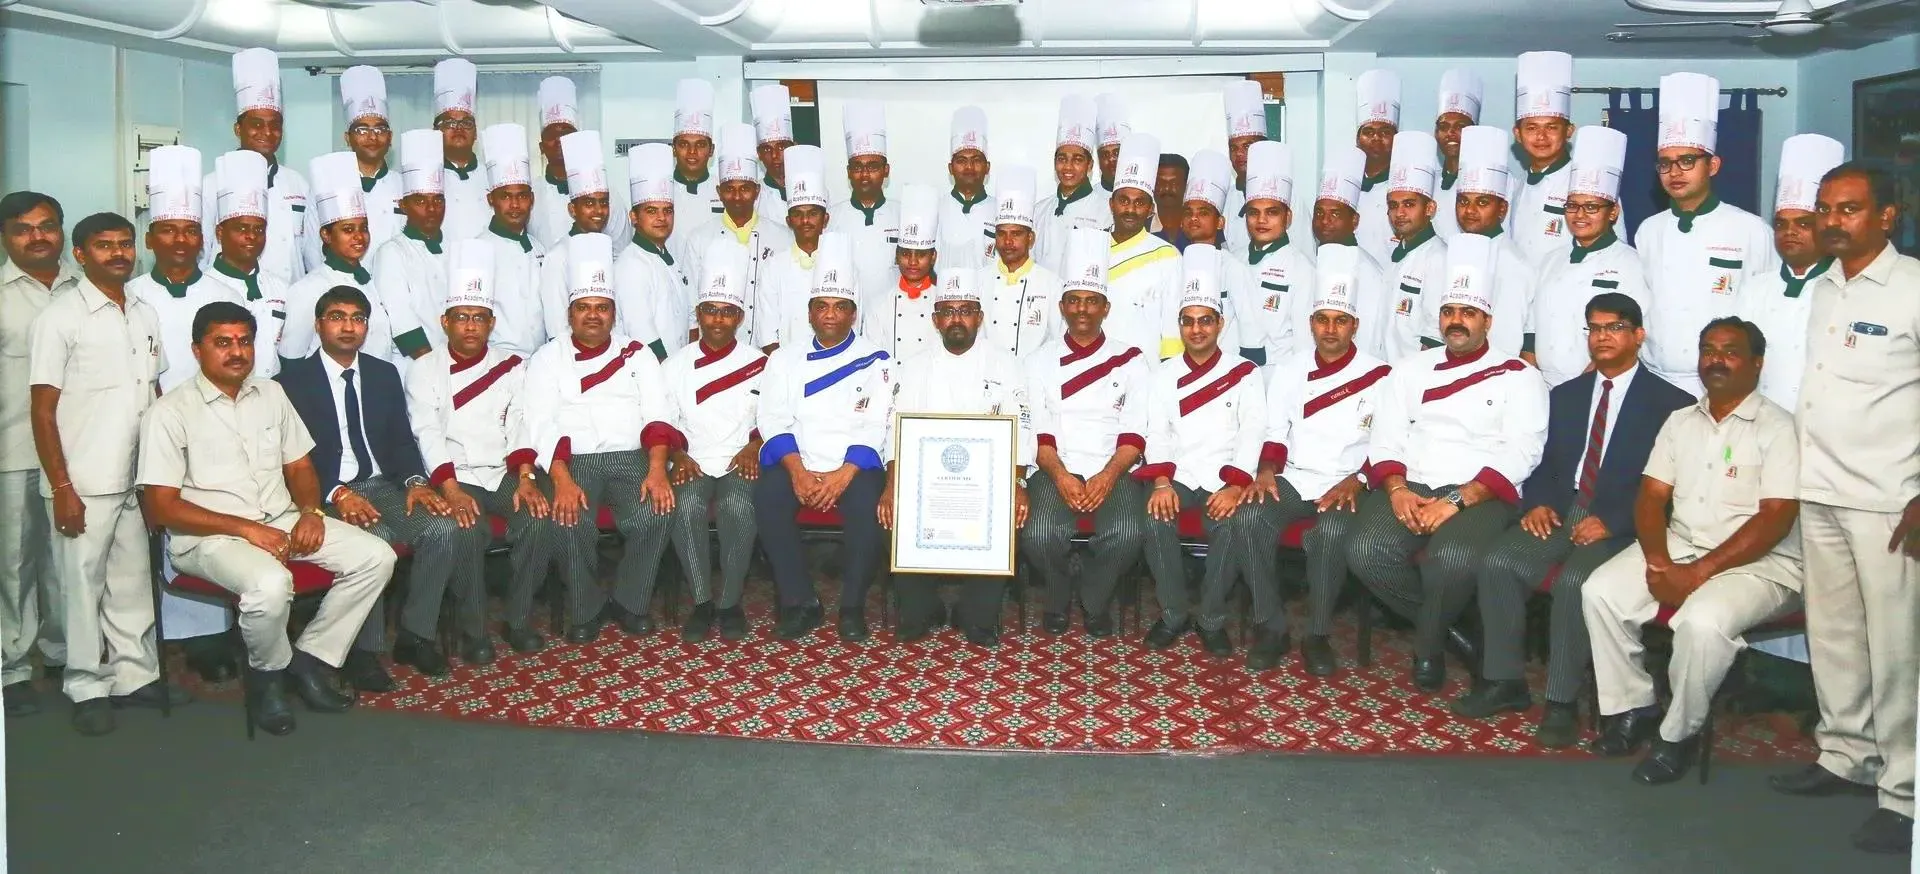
{"x": 774, "y": 507}
{"x": 1433, "y": 591}
{"x": 979, "y": 603}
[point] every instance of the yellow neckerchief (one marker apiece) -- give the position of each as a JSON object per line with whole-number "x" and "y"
{"x": 740, "y": 232}
{"x": 1017, "y": 275}
{"x": 801, "y": 257}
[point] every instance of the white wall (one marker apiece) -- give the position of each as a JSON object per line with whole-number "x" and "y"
{"x": 1826, "y": 83}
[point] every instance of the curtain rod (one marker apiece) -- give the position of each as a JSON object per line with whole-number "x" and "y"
{"x": 1770, "y": 92}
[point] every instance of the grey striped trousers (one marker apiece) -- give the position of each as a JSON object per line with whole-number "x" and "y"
{"x": 1119, "y": 530}
{"x": 437, "y": 543}
{"x": 1227, "y": 541}
{"x": 532, "y": 544}
{"x": 1433, "y": 592}
{"x": 1326, "y": 550}
{"x": 1510, "y": 573}
{"x": 728, "y": 501}
{"x": 612, "y": 479}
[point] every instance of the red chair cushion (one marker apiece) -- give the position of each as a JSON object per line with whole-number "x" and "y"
{"x": 1190, "y": 526}
{"x": 809, "y": 518}
{"x": 498, "y": 526}
{"x": 307, "y": 579}
{"x": 1790, "y": 622}
{"x": 604, "y": 519}
{"x": 1546, "y": 581}
{"x": 1295, "y": 536}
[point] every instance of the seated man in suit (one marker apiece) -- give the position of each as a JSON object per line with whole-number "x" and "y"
{"x": 371, "y": 476}
{"x": 1578, "y": 512}
{"x": 243, "y": 503}
{"x": 1727, "y": 555}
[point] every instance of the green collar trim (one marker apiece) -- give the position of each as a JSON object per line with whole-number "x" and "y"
{"x": 462, "y": 172}
{"x": 432, "y": 243}
{"x": 648, "y": 246}
{"x": 691, "y": 185}
{"x": 559, "y": 184}
{"x": 500, "y": 230}
{"x": 1447, "y": 178}
{"x": 1797, "y": 284}
{"x": 367, "y": 182}
{"x": 356, "y": 271}
{"x": 252, "y": 280}
{"x": 767, "y": 180}
{"x": 1579, "y": 253}
{"x": 1686, "y": 218}
{"x": 176, "y": 289}
{"x": 1533, "y": 178}
{"x": 1255, "y": 251}
{"x": 966, "y": 206}
{"x": 1367, "y": 182}
{"x": 1085, "y": 189}
{"x": 1411, "y": 243}
{"x": 868, "y": 211}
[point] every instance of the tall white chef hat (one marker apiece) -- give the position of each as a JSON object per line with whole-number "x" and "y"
{"x": 833, "y": 274}
{"x": 1469, "y": 272}
{"x": 1379, "y": 97}
{"x": 1461, "y": 91}
{"x": 737, "y": 153}
{"x": 173, "y": 183}
{"x": 1208, "y": 176}
{"x": 470, "y": 274}
{"x": 1336, "y": 279}
{"x": 693, "y": 108}
{"x": 1083, "y": 264}
{"x": 1341, "y": 175}
{"x": 336, "y": 188}
{"x": 1200, "y": 287}
{"x": 958, "y": 285}
{"x": 1543, "y": 85}
{"x": 1485, "y": 152}
{"x": 1013, "y": 196}
{"x": 559, "y": 102}
{"x": 1246, "y": 109}
{"x": 586, "y": 164}
{"x": 1689, "y": 111}
{"x": 1804, "y": 159}
{"x": 806, "y": 176}
{"x": 1139, "y": 165}
{"x": 968, "y": 130}
{"x": 723, "y": 274}
{"x": 455, "y": 80}
{"x": 772, "y": 113}
{"x": 422, "y": 160}
{"x": 1112, "y": 119}
{"x": 1078, "y": 124}
{"x": 650, "y": 173}
{"x": 1416, "y": 162}
{"x": 256, "y": 81}
{"x": 1270, "y": 171}
{"x": 240, "y": 182}
{"x": 363, "y": 93}
{"x": 589, "y": 267}
{"x": 505, "y": 146}
{"x": 1599, "y": 156}
{"x": 864, "y": 124}
{"x": 919, "y": 216}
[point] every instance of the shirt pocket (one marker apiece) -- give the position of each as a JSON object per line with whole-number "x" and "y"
{"x": 1723, "y": 275}
{"x": 1739, "y": 487}
{"x": 266, "y": 446}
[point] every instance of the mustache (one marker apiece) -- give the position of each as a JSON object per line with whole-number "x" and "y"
{"x": 235, "y": 362}
{"x": 1835, "y": 234}
{"x": 1714, "y": 370}
{"x": 1456, "y": 329}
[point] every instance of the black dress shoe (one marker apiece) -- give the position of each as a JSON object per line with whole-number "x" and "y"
{"x": 798, "y": 622}
{"x": 423, "y": 654}
{"x": 1317, "y": 651}
{"x": 1054, "y": 623}
{"x": 21, "y": 698}
{"x": 313, "y": 681}
{"x": 1815, "y": 781}
{"x": 1100, "y": 626}
{"x": 1668, "y": 761}
{"x": 852, "y": 626}
{"x": 477, "y": 650}
{"x": 1218, "y": 644}
{"x": 155, "y": 695}
{"x": 699, "y": 623}
{"x": 363, "y": 671}
{"x": 1492, "y": 697}
{"x": 212, "y": 657}
{"x": 1429, "y": 673}
{"x": 983, "y": 635}
{"x": 1625, "y": 732}
{"x": 910, "y": 632}
{"x": 525, "y": 639}
{"x": 1885, "y": 831}
{"x": 733, "y": 623}
{"x": 93, "y": 717}
{"x": 1559, "y": 726}
{"x": 636, "y": 624}
{"x": 585, "y": 632}
{"x": 1162, "y": 635}
{"x": 53, "y": 673}
{"x": 1267, "y": 650}
{"x": 271, "y": 711}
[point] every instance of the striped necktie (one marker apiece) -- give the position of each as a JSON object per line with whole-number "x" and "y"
{"x": 1596, "y": 435}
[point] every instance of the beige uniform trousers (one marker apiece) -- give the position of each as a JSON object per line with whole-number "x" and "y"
{"x": 30, "y": 605}
{"x": 1707, "y": 630}
{"x": 1863, "y": 611}
{"x": 104, "y": 578}
{"x": 361, "y": 563}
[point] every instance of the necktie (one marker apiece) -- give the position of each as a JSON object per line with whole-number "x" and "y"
{"x": 1590, "y": 463}
{"x": 357, "y": 433}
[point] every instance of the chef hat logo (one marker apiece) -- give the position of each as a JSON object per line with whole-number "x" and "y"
{"x": 1074, "y": 132}
{"x": 471, "y": 286}
{"x": 910, "y": 229}
{"x": 1463, "y": 281}
{"x": 1092, "y": 272}
{"x": 363, "y": 106}
{"x": 253, "y": 201}
{"x": 799, "y": 186}
{"x": 1586, "y": 178}
{"x": 832, "y": 277}
{"x": 1540, "y": 100}
{"x": 969, "y": 140}
{"x": 1329, "y": 185}
{"x": 1673, "y": 129}
{"x": 1379, "y": 107}
{"x": 1133, "y": 169}
{"x": 598, "y": 278}
{"x": 1399, "y": 176}
{"x": 719, "y": 282}
{"x": 1337, "y": 289}
{"x": 270, "y": 94}
{"x": 1193, "y": 287}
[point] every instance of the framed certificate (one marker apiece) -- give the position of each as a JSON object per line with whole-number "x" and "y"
{"x": 953, "y": 493}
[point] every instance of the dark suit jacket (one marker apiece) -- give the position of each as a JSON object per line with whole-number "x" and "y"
{"x": 383, "y": 410}
{"x": 1637, "y": 420}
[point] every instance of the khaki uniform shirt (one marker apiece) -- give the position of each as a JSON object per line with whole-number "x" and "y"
{"x": 105, "y": 361}
{"x": 1721, "y": 471}
{"x": 22, "y": 297}
{"x": 1859, "y": 411}
{"x": 223, "y": 454}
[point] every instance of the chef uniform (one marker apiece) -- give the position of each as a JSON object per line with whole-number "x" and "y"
{"x": 1246, "y": 106}
{"x": 519, "y": 320}
{"x": 1460, "y": 94}
{"x": 586, "y": 176}
{"x": 1022, "y": 302}
{"x": 1544, "y": 89}
{"x": 966, "y": 228}
{"x": 757, "y": 243}
{"x": 898, "y": 316}
{"x": 1696, "y": 262}
{"x": 1379, "y": 92}
{"x": 1209, "y": 178}
{"x": 1572, "y": 275}
{"x": 552, "y": 193}
{"x": 651, "y": 297}
{"x": 772, "y": 127}
{"x": 455, "y": 82}
{"x": 875, "y": 230}
{"x": 1143, "y": 275}
{"x": 600, "y": 411}
{"x": 1271, "y": 282}
{"x": 1205, "y": 424}
{"x": 256, "y": 86}
{"x": 1418, "y": 265}
{"x": 363, "y": 97}
{"x": 694, "y": 200}
{"x": 410, "y": 263}
{"x": 1779, "y": 302}
{"x": 1341, "y": 181}
{"x": 1483, "y": 170}
{"x": 1083, "y": 207}
{"x": 393, "y": 331}
{"x": 788, "y": 283}
{"x": 242, "y": 179}
{"x": 1088, "y": 403}
{"x": 1114, "y": 125}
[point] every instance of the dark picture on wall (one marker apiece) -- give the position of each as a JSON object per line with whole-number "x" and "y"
{"x": 1886, "y": 133}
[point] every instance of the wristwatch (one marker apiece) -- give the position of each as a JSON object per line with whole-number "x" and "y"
{"x": 1453, "y": 497}
{"x": 416, "y": 480}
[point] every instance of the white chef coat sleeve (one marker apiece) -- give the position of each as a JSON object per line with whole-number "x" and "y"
{"x": 1282, "y": 404}
{"x": 297, "y": 334}
{"x": 1162, "y": 455}
{"x": 1022, "y": 412}
{"x": 409, "y": 335}
{"x": 427, "y": 411}
{"x": 307, "y": 249}
{"x": 1252, "y": 432}
{"x": 633, "y": 310}
{"x": 779, "y": 402}
{"x": 1040, "y": 397}
{"x": 1386, "y": 447}
{"x": 553, "y": 296}
{"x": 870, "y": 427}
{"x": 1139, "y": 397}
{"x": 1523, "y": 435}
{"x": 541, "y": 408}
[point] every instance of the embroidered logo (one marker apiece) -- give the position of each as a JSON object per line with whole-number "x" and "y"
{"x": 1405, "y": 307}
{"x": 1733, "y": 471}
{"x": 1723, "y": 284}
{"x": 861, "y": 405}
{"x": 1273, "y": 303}
{"x": 1366, "y": 422}
{"x": 1553, "y": 227}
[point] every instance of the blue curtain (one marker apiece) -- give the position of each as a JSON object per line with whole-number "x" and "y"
{"x": 1636, "y": 113}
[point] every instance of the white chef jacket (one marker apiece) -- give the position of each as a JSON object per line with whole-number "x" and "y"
{"x": 694, "y": 206}
{"x": 1320, "y": 417}
{"x": 984, "y": 380}
{"x": 1088, "y": 401}
{"x": 1021, "y": 308}
{"x": 966, "y": 232}
{"x": 784, "y": 291}
{"x": 1780, "y": 304}
{"x": 265, "y": 296}
{"x": 468, "y": 416}
{"x": 1444, "y": 421}
{"x": 175, "y": 312}
{"x": 1271, "y": 299}
{"x": 651, "y": 298}
{"x": 550, "y": 223}
{"x": 288, "y": 253}
{"x": 874, "y": 241}
{"x": 468, "y": 212}
{"x": 1860, "y": 398}
{"x": 1375, "y": 233}
{"x": 897, "y": 320}
{"x": 1538, "y": 218}
{"x": 384, "y": 218}
{"x": 519, "y": 317}
{"x": 1144, "y": 279}
{"x": 415, "y": 270}
{"x": 1235, "y": 219}
{"x": 1695, "y": 277}
{"x": 392, "y": 329}
{"x": 1514, "y": 279}
{"x": 833, "y": 405}
{"x": 586, "y": 402}
{"x": 712, "y": 399}
{"x": 1086, "y": 208}
{"x": 1415, "y": 284}
{"x": 1446, "y": 216}
{"x": 772, "y": 201}
{"x": 1205, "y": 422}
{"x": 758, "y": 245}
{"x": 1556, "y": 330}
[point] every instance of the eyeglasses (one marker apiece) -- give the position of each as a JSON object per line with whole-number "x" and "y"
{"x": 463, "y": 318}
{"x": 1684, "y": 162}
{"x": 370, "y": 130}
{"x": 337, "y": 318}
{"x": 956, "y": 313}
{"x": 1614, "y": 328}
{"x": 1590, "y": 208}
{"x": 455, "y": 124}
{"x": 1202, "y": 321}
{"x": 717, "y": 309}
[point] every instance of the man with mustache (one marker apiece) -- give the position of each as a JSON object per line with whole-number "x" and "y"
{"x": 1335, "y": 218}
{"x": 1726, "y": 555}
{"x": 455, "y": 86}
{"x": 1480, "y": 207}
{"x": 1169, "y": 199}
{"x": 966, "y": 237}
{"x": 413, "y": 262}
{"x": 569, "y": 199}
{"x": 288, "y": 253}
{"x": 92, "y": 362}
{"x": 1272, "y": 284}
{"x": 1460, "y": 95}
{"x": 1020, "y": 298}
{"x": 588, "y": 210}
{"x": 1246, "y": 105}
{"x": 519, "y": 321}
{"x": 1077, "y": 203}
{"x": 1418, "y": 259}
{"x": 740, "y": 230}
{"x": 773, "y": 131}
{"x": 1598, "y": 261}
{"x": 1859, "y": 492}
{"x": 788, "y": 286}
{"x": 1142, "y": 277}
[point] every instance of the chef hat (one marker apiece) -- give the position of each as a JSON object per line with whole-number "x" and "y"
{"x": 586, "y": 164}
{"x": 1544, "y": 85}
{"x": 1078, "y": 124}
{"x": 958, "y": 285}
{"x": 833, "y": 267}
{"x": 1804, "y": 159}
{"x": 806, "y": 176}
{"x": 256, "y": 80}
{"x": 1599, "y": 156}
{"x": 723, "y": 274}
{"x": 1461, "y": 92}
{"x": 173, "y": 183}
{"x": 1379, "y": 94}
{"x": 967, "y": 131}
{"x": 1336, "y": 274}
{"x": 1111, "y": 119}
{"x": 919, "y": 216}
{"x": 650, "y": 173}
{"x": 454, "y": 82}
{"x": 589, "y": 267}
{"x": 1689, "y": 111}
{"x": 505, "y": 146}
{"x": 1340, "y": 177}
{"x": 1083, "y": 264}
{"x": 864, "y": 123}
{"x": 1200, "y": 265}
{"x": 470, "y": 274}
{"x": 1208, "y": 176}
{"x": 559, "y": 102}
{"x": 737, "y": 153}
{"x": 1416, "y": 162}
{"x": 1139, "y": 165}
{"x": 1485, "y": 152}
{"x": 422, "y": 160}
{"x": 1269, "y": 171}
{"x": 363, "y": 92}
{"x": 1013, "y": 190}
{"x": 240, "y": 184}
{"x": 335, "y": 177}
{"x": 693, "y": 108}
{"x": 772, "y": 113}
{"x": 1469, "y": 272}
{"x": 1246, "y": 109}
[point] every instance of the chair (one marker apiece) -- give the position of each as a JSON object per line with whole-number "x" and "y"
{"x": 1293, "y": 538}
{"x": 1795, "y": 622}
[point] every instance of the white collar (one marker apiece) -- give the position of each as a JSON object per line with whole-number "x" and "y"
{"x": 334, "y": 369}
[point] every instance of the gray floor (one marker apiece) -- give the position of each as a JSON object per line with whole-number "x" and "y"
{"x": 386, "y": 792}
